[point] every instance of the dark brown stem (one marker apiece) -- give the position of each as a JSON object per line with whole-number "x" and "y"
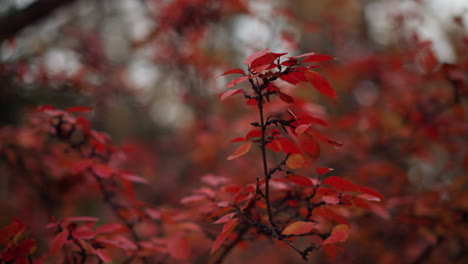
{"x": 264, "y": 158}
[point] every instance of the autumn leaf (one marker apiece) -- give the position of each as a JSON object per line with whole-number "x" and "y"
{"x": 104, "y": 255}
{"x": 295, "y": 161}
{"x": 299, "y": 228}
{"x": 226, "y": 231}
{"x": 132, "y": 177}
{"x": 324, "y": 138}
{"x": 339, "y": 234}
{"x": 236, "y": 81}
{"x": 309, "y": 145}
{"x": 323, "y": 170}
{"x": 241, "y": 150}
{"x": 58, "y": 242}
{"x": 318, "y": 58}
{"x": 329, "y": 199}
{"x": 320, "y": 83}
{"x": 240, "y": 71}
{"x": 230, "y": 93}
{"x": 225, "y": 218}
{"x": 286, "y": 98}
{"x": 299, "y": 180}
{"x": 341, "y": 184}
{"x": 254, "y": 56}
{"x": 179, "y": 247}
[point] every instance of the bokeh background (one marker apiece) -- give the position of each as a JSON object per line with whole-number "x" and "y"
{"x": 147, "y": 69}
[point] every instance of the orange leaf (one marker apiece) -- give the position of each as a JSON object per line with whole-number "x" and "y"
{"x": 320, "y": 83}
{"x": 241, "y": 150}
{"x": 298, "y": 228}
{"x": 339, "y": 234}
{"x": 295, "y": 161}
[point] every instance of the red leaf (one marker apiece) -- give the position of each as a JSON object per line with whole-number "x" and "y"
{"x": 298, "y": 228}
{"x": 300, "y": 180}
{"x": 104, "y": 255}
{"x": 369, "y": 197}
{"x": 324, "y": 138}
{"x": 251, "y": 101}
{"x": 240, "y": 71}
{"x": 262, "y": 63}
{"x": 254, "y": 56}
{"x": 79, "y": 109}
{"x": 193, "y": 199}
{"x": 286, "y": 98}
{"x": 230, "y": 93}
{"x": 179, "y": 247}
{"x": 227, "y": 228}
{"x": 12, "y": 230}
{"x": 320, "y": 83}
{"x": 295, "y": 161}
{"x": 132, "y": 177}
{"x": 214, "y": 180}
{"x": 237, "y": 139}
{"x": 103, "y": 171}
{"x": 25, "y": 247}
{"x": 288, "y": 146}
{"x": 84, "y": 234}
{"x": 236, "y": 81}
{"x": 341, "y": 184}
{"x": 339, "y": 234}
{"x": 294, "y": 77}
{"x": 241, "y": 150}
{"x": 58, "y": 242}
{"x": 372, "y": 192}
{"x": 301, "y": 129}
{"x": 329, "y": 199}
{"x": 255, "y": 133}
{"x": 225, "y": 218}
{"x": 323, "y": 170}
{"x": 309, "y": 145}
{"x": 110, "y": 228}
{"x": 306, "y": 119}
{"x": 303, "y": 55}
{"x": 318, "y": 58}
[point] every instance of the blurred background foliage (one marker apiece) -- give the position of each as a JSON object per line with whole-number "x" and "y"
{"x": 147, "y": 68}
